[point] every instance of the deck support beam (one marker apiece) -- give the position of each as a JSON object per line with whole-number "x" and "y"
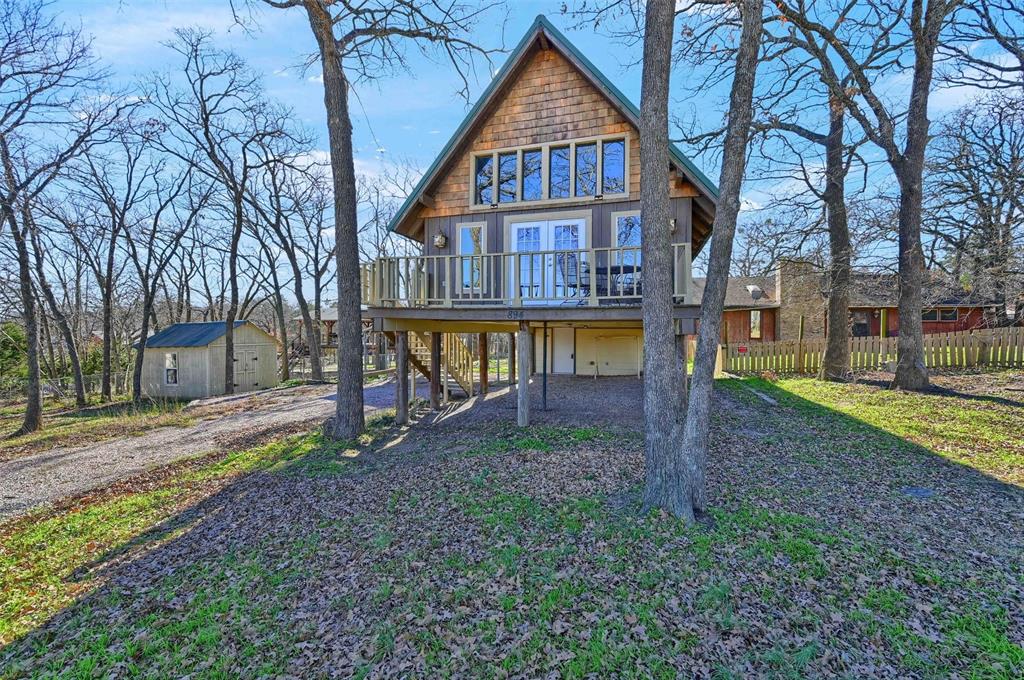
{"x": 484, "y": 362}
{"x": 402, "y": 377}
{"x": 523, "y": 389}
{"x": 435, "y": 370}
{"x": 511, "y": 359}
{"x": 544, "y": 370}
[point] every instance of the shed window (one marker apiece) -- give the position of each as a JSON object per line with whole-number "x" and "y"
{"x": 171, "y": 368}
{"x": 948, "y": 315}
{"x": 755, "y": 324}
{"x": 558, "y": 172}
{"x": 930, "y": 315}
{"x": 483, "y": 192}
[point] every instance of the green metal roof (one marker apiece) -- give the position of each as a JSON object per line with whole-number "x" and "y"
{"x": 541, "y": 24}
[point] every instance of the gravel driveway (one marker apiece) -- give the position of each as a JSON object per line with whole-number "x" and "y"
{"x": 31, "y": 481}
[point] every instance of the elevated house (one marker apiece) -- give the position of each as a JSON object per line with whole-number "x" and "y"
{"x": 530, "y": 223}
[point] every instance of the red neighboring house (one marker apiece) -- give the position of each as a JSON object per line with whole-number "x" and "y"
{"x": 874, "y": 297}
{"x": 751, "y": 308}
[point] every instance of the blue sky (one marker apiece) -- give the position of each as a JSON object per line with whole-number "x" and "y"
{"x": 408, "y": 116}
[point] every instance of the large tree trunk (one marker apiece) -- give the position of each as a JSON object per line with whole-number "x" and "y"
{"x": 232, "y": 311}
{"x": 140, "y": 355}
{"x": 911, "y": 373}
{"x": 279, "y": 309}
{"x": 662, "y": 370}
{"x": 698, "y": 413}
{"x": 107, "y": 291}
{"x": 836, "y": 364}
{"x": 348, "y": 418}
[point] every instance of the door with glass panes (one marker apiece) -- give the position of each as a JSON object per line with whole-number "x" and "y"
{"x": 552, "y": 265}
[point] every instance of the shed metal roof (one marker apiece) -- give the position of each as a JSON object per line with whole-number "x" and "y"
{"x": 197, "y": 334}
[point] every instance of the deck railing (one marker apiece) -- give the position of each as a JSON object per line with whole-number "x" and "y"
{"x": 591, "y": 276}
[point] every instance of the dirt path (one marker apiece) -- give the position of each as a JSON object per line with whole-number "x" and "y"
{"x": 31, "y": 481}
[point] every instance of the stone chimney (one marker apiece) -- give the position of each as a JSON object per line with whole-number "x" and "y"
{"x": 798, "y": 290}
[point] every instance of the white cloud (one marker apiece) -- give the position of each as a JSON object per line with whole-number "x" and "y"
{"x": 318, "y": 78}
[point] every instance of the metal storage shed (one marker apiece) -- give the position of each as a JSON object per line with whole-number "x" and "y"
{"x": 186, "y": 360}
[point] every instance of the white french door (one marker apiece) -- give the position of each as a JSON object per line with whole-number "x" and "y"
{"x": 546, "y": 275}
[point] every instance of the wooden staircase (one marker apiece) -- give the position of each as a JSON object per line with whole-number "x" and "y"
{"x": 456, "y": 357}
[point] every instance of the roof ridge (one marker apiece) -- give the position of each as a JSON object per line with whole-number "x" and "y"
{"x": 581, "y": 62}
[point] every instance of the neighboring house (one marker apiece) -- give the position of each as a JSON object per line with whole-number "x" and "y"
{"x": 186, "y": 360}
{"x": 530, "y": 220}
{"x": 751, "y": 308}
{"x": 874, "y": 298}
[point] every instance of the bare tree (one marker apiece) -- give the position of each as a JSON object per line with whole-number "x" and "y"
{"x": 362, "y": 41}
{"x": 216, "y": 122}
{"x": 282, "y": 188}
{"x": 987, "y": 45}
{"x": 50, "y": 113}
{"x": 663, "y": 374}
{"x": 698, "y": 412}
{"x": 916, "y": 27}
{"x": 975, "y": 196}
{"x": 175, "y": 205}
{"x": 46, "y": 290}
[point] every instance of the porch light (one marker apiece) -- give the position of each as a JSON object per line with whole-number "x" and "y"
{"x": 440, "y": 240}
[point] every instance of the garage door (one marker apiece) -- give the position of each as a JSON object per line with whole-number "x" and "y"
{"x": 618, "y": 354}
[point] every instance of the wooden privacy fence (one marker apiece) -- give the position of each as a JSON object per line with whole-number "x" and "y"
{"x": 988, "y": 348}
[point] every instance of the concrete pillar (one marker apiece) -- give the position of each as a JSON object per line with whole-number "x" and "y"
{"x": 435, "y": 370}
{"x": 484, "y": 362}
{"x": 402, "y": 375}
{"x": 523, "y": 359}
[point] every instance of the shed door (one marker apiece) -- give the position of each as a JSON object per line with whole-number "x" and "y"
{"x": 245, "y": 370}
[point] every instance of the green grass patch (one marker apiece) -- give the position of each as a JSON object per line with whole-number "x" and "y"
{"x": 975, "y": 431}
{"x": 47, "y": 559}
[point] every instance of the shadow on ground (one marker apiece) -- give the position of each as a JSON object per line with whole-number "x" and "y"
{"x": 464, "y": 544}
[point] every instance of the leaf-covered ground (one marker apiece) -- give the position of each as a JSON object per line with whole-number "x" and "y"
{"x": 472, "y": 548}
{"x": 64, "y": 425}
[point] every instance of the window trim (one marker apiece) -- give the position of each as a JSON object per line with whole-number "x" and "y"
{"x": 615, "y": 224}
{"x": 459, "y": 226}
{"x": 545, "y": 150}
{"x": 176, "y": 369}
{"x": 760, "y": 325}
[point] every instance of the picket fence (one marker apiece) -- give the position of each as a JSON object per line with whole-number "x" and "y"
{"x": 986, "y": 348}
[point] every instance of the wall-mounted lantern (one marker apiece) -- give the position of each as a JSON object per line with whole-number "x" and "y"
{"x": 440, "y": 240}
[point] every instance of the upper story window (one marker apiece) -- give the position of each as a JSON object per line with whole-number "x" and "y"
{"x": 558, "y": 171}
{"x": 484, "y": 183}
